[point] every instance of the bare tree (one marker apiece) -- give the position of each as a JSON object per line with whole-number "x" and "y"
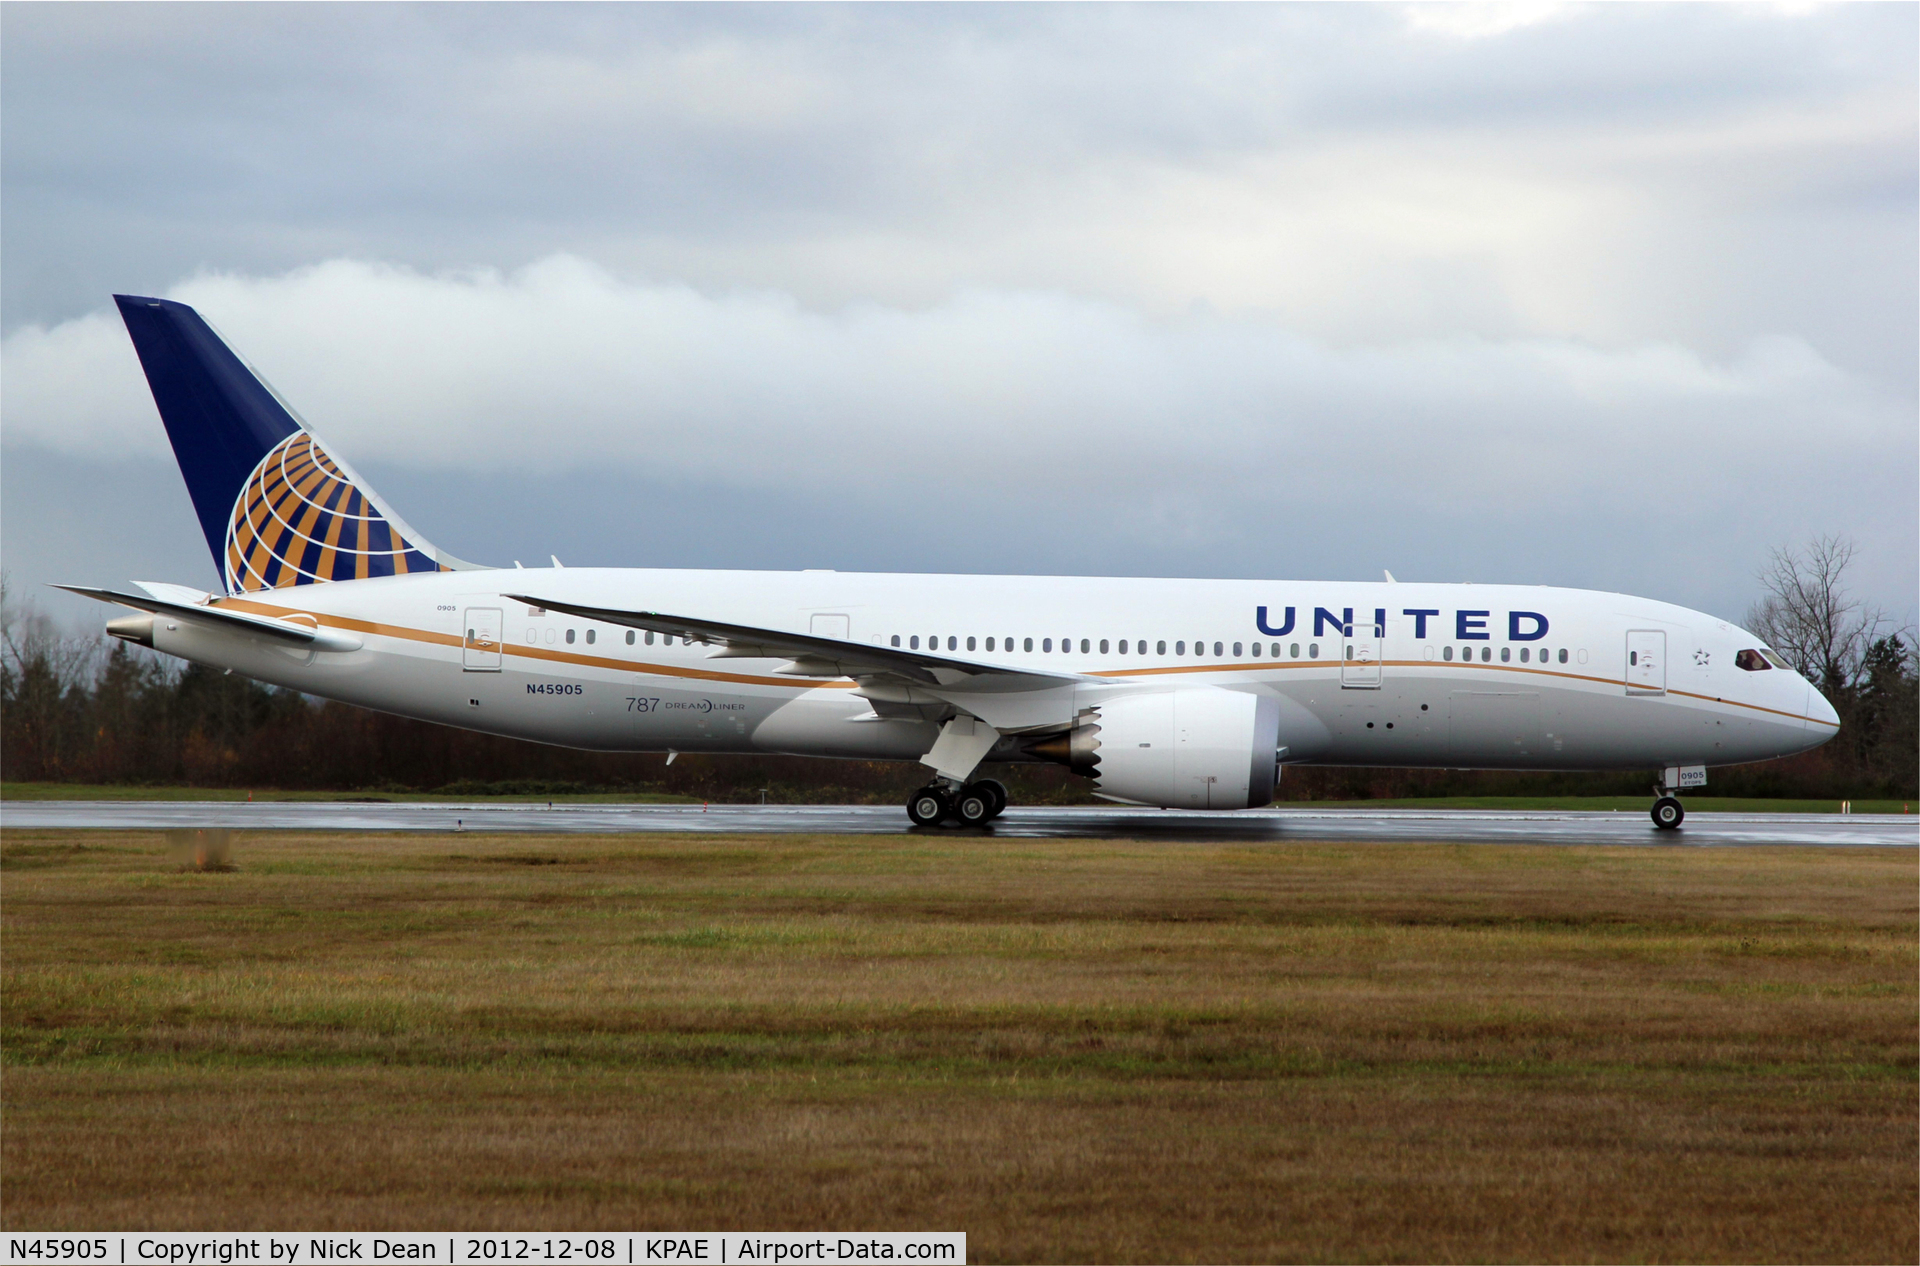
{"x": 1809, "y": 617}
{"x": 45, "y": 685}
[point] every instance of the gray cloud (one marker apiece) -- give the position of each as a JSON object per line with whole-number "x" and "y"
{"x": 1202, "y": 430}
{"x": 1696, "y": 173}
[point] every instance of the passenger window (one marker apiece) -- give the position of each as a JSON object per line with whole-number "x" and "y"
{"x": 1313, "y": 650}
{"x": 1349, "y": 652}
{"x": 1029, "y": 644}
{"x": 629, "y": 637}
{"x": 1523, "y": 654}
{"x": 953, "y": 643}
{"x": 1486, "y": 654}
{"x": 896, "y": 639}
{"x": 1563, "y": 654}
{"x": 1506, "y": 654}
{"x": 1046, "y": 644}
{"x": 913, "y": 642}
{"x": 1276, "y": 650}
{"x": 569, "y": 637}
{"x": 1236, "y": 650}
{"x": 1159, "y": 648}
{"x": 1752, "y": 661}
{"x": 969, "y": 643}
{"x": 1083, "y": 646}
{"x": 1446, "y": 653}
{"x": 1179, "y": 648}
{"x": 590, "y": 635}
{"x": 1293, "y": 652}
{"x": 1256, "y": 650}
{"x": 1633, "y": 657}
{"x": 1217, "y": 651}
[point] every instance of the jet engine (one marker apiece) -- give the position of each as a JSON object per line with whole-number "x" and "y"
{"x": 1188, "y": 749}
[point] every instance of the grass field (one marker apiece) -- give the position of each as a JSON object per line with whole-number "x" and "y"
{"x": 1620, "y": 804}
{"x": 1070, "y": 1050}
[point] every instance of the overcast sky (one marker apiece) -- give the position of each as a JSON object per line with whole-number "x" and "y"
{"x": 1615, "y": 296}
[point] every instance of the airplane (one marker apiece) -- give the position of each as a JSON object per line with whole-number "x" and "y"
{"x": 1189, "y": 694}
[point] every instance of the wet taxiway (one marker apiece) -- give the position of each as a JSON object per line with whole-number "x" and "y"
{"x": 1454, "y": 826}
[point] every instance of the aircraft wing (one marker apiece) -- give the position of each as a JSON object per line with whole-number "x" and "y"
{"x": 285, "y": 632}
{"x": 814, "y": 656}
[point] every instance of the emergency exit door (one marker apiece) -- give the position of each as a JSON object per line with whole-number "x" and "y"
{"x": 1360, "y": 650}
{"x": 480, "y": 648}
{"x": 1646, "y": 662}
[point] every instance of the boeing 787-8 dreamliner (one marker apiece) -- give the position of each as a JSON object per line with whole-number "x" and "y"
{"x": 1191, "y": 694}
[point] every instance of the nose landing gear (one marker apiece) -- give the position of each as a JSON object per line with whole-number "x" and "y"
{"x": 1667, "y": 810}
{"x": 974, "y": 804}
{"x": 1667, "y": 807}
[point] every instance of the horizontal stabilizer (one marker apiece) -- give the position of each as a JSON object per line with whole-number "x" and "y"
{"x": 288, "y": 632}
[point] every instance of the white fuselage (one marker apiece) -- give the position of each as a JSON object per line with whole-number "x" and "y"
{"x": 1483, "y": 676}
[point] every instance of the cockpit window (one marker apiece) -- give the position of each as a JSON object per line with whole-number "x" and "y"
{"x": 1773, "y": 659}
{"x": 1752, "y": 661}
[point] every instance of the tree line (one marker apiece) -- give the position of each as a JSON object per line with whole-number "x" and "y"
{"x": 96, "y": 710}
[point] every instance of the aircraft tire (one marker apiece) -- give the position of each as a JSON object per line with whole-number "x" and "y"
{"x": 1668, "y": 813}
{"x": 996, "y": 793}
{"x": 928, "y": 805}
{"x": 974, "y": 807}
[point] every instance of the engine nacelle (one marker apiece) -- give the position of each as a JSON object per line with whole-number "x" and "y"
{"x": 1204, "y": 748}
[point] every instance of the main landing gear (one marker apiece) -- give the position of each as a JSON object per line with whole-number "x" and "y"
{"x": 975, "y": 804}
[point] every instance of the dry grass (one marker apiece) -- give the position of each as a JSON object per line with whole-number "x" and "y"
{"x": 1071, "y": 1050}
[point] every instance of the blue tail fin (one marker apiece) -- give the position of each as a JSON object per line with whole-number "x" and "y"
{"x": 277, "y": 508}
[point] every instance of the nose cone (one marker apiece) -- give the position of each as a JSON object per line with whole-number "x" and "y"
{"x": 1821, "y": 717}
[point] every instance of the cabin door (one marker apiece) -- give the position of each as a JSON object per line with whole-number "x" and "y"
{"x": 1647, "y": 662}
{"x": 480, "y": 647}
{"x": 1360, "y": 650}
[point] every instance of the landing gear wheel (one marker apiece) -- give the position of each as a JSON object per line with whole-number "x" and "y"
{"x": 996, "y": 793}
{"x": 927, "y": 806}
{"x": 1667, "y": 813}
{"x": 974, "y": 807}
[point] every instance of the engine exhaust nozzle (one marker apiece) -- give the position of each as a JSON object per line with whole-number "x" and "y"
{"x": 1078, "y": 749}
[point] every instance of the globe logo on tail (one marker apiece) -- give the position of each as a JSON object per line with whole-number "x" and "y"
{"x": 299, "y": 520}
